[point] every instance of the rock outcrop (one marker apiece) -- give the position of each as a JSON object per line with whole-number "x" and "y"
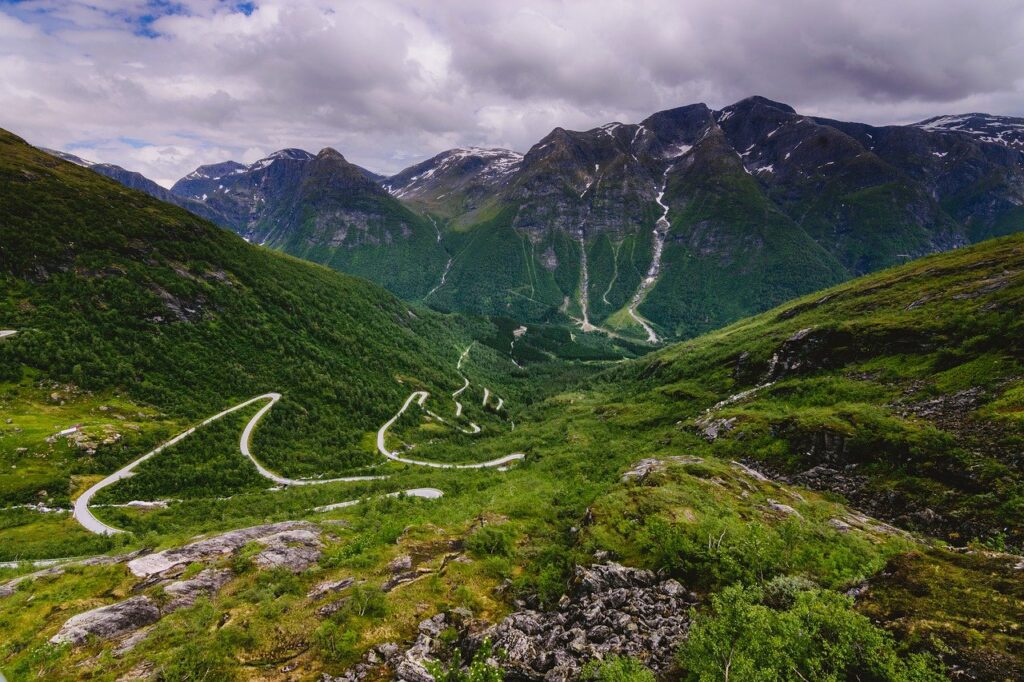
{"x": 184, "y": 593}
{"x": 274, "y": 535}
{"x": 609, "y": 609}
{"x": 107, "y": 622}
{"x": 646, "y": 467}
{"x": 294, "y": 549}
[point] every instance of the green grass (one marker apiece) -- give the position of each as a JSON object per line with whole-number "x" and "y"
{"x": 876, "y": 347}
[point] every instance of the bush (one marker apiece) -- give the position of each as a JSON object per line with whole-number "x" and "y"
{"x": 479, "y": 670}
{"x": 367, "y": 602}
{"x": 617, "y": 669}
{"x": 194, "y": 663}
{"x": 336, "y": 644}
{"x": 819, "y": 637}
{"x": 491, "y": 541}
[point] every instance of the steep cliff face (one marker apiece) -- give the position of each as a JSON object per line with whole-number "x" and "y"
{"x": 662, "y": 229}
{"x": 696, "y": 217}
{"x": 324, "y": 209}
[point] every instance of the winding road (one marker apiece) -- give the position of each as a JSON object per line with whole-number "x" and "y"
{"x": 420, "y": 397}
{"x": 84, "y": 515}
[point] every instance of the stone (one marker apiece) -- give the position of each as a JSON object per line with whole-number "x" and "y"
{"x": 400, "y": 564}
{"x": 323, "y": 589}
{"x": 107, "y": 622}
{"x": 645, "y": 467}
{"x": 212, "y": 548}
{"x": 132, "y": 641}
{"x": 184, "y": 593}
{"x": 293, "y": 549}
{"x": 781, "y": 508}
{"x": 840, "y": 525}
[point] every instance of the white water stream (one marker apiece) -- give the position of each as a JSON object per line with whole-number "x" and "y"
{"x": 661, "y": 228}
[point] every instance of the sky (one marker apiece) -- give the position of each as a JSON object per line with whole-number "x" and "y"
{"x": 163, "y": 86}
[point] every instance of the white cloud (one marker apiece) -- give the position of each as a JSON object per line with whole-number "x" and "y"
{"x": 391, "y": 82}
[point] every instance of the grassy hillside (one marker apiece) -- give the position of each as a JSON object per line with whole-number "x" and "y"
{"x": 135, "y": 319}
{"x": 338, "y": 217}
{"x": 886, "y": 412}
{"x": 902, "y": 388}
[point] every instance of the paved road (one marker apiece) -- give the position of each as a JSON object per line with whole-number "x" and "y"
{"x": 4, "y": 333}
{"x": 85, "y": 517}
{"x": 420, "y": 397}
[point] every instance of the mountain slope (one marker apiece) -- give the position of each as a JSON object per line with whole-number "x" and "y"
{"x": 116, "y": 296}
{"x": 140, "y": 182}
{"x": 900, "y": 391}
{"x": 1005, "y": 130}
{"x": 325, "y": 209}
{"x": 664, "y": 229}
{"x": 893, "y": 397}
{"x": 818, "y": 201}
{"x": 456, "y": 181}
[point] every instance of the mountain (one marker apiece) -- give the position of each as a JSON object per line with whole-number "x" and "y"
{"x": 325, "y": 209}
{"x": 138, "y": 181}
{"x": 696, "y": 217}
{"x": 118, "y": 297}
{"x": 1004, "y": 130}
{"x": 899, "y": 392}
{"x": 454, "y": 181}
{"x": 831, "y": 488}
{"x": 665, "y": 229}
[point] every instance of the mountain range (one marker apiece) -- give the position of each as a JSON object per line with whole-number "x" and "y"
{"x": 663, "y": 229}
{"x": 832, "y": 487}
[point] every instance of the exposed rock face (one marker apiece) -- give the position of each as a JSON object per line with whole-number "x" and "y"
{"x": 400, "y": 564}
{"x": 403, "y": 571}
{"x": 646, "y": 467}
{"x": 325, "y": 588}
{"x": 108, "y": 622}
{"x": 713, "y": 428}
{"x": 294, "y": 549}
{"x": 294, "y": 545}
{"x": 610, "y": 609}
{"x": 184, "y": 593}
{"x": 275, "y": 536}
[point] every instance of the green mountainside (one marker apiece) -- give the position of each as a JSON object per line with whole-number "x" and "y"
{"x": 829, "y": 490}
{"x": 135, "y": 319}
{"x": 761, "y": 204}
{"x": 652, "y": 231}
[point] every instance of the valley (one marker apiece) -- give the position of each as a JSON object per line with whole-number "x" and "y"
{"x": 414, "y": 472}
{"x": 547, "y": 341}
{"x": 495, "y": 232}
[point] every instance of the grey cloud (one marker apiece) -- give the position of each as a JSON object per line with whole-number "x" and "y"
{"x": 390, "y": 82}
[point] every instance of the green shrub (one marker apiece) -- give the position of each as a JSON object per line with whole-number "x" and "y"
{"x": 194, "y": 663}
{"x": 617, "y": 669}
{"x": 819, "y": 637}
{"x": 336, "y": 644}
{"x": 491, "y": 541}
{"x": 478, "y": 670}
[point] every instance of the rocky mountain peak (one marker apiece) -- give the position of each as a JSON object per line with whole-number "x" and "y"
{"x": 1004, "y": 130}
{"x": 330, "y": 153}
{"x": 757, "y": 101}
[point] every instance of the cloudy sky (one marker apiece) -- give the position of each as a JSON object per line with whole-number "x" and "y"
{"x": 163, "y": 86}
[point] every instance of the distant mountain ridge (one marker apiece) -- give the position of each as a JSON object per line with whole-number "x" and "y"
{"x": 138, "y": 181}
{"x": 666, "y": 228}
{"x": 1004, "y": 130}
